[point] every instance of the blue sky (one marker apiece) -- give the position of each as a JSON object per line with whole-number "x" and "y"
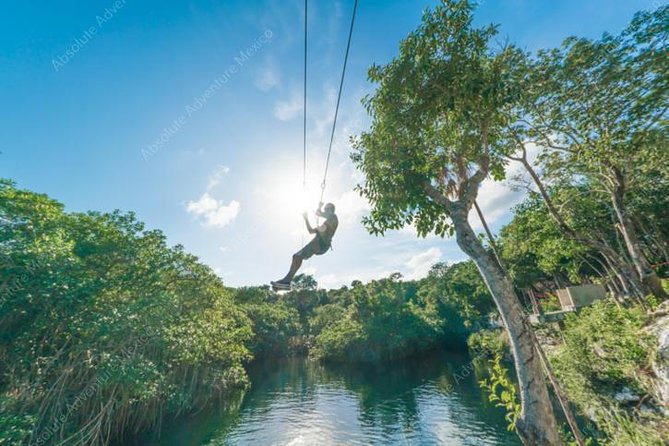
{"x": 148, "y": 106}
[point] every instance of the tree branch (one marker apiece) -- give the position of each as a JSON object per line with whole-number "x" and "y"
{"x": 470, "y": 186}
{"x": 437, "y": 196}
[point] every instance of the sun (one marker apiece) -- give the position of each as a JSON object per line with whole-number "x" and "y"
{"x": 288, "y": 199}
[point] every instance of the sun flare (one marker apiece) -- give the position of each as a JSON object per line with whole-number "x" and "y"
{"x": 288, "y": 199}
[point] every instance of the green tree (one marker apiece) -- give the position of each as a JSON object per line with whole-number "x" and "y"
{"x": 304, "y": 297}
{"x": 275, "y": 322}
{"x": 438, "y": 116}
{"x": 460, "y": 296}
{"x": 385, "y": 320}
{"x": 598, "y": 109}
{"x": 104, "y": 328}
{"x": 534, "y": 249}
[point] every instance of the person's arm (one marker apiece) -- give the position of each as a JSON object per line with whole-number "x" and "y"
{"x": 306, "y": 221}
{"x": 319, "y": 211}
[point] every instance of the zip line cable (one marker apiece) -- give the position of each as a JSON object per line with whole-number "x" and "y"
{"x": 304, "y": 103}
{"x": 304, "y": 100}
{"x": 341, "y": 86}
{"x": 304, "y": 114}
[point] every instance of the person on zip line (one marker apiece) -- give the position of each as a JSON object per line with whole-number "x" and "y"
{"x": 319, "y": 245}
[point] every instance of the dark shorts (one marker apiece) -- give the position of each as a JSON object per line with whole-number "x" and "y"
{"x": 316, "y": 246}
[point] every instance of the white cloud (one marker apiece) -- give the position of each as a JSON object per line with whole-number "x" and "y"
{"x": 287, "y": 110}
{"x": 212, "y": 212}
{"x": 495, "y": 200}
{"x": 419, "y": 265}
{"x": 310, "y": 270}
{"x": 330, "y": 281}
{"x": 412, "y": 264}
{"x": 217, "y": 176}
{"x": 269, "y": 77}
{"x": 351, "y": 206}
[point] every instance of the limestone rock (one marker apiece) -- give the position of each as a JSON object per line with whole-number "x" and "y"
{"x": 660, "y": 365}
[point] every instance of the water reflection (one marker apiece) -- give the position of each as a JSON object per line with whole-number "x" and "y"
{"x": 298, "y": 402}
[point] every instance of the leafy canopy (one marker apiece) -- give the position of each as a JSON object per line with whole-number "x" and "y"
{"x": 439, "y": 114}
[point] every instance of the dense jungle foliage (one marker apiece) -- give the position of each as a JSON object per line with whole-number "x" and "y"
{"x": 106, "y": 330}
{"x": 98, "y": 312}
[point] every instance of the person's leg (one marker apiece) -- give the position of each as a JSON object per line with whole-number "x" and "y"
{"x": 303, "y": 254}
{"x": 294, "y": 267}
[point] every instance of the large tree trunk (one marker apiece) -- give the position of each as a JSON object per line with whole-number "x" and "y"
{"x": 537, "y": 424}
{"x": 649, "y": 280}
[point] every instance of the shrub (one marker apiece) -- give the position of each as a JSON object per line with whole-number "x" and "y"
{"x": 604, "y": 352}
{"x": 488, "y": 344}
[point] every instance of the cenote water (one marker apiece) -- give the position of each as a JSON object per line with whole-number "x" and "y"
{"x": 299, "y": 402}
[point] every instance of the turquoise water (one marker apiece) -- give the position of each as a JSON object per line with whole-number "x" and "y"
{"x": 428, "y": 401}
